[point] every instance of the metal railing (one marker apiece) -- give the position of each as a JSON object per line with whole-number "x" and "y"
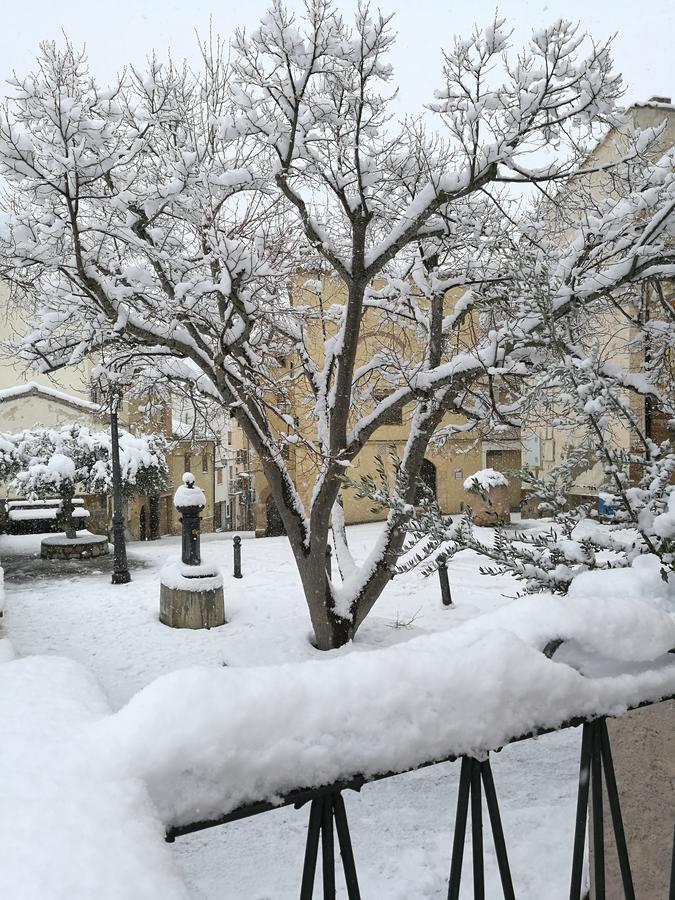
{"x": 328, "y": 816}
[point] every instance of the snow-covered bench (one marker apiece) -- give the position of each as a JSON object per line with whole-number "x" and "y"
{"x": 40, "y": 515}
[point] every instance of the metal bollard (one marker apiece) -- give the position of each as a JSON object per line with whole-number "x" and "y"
{"x": 236, "y": 541}
{"x": 446, "y": 596}
{"x": 329, "y": 562}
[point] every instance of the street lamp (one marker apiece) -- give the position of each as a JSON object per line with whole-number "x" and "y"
{"x": 120, "y": 573}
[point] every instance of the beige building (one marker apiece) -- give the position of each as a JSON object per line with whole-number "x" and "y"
{"x": 546, "y": 444}
{"x": 29, "y": 399}
{"x": 444, "y": 470}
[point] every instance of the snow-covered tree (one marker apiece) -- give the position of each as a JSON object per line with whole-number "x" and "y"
{"x": 49, "y": 462}
{"x": 54, "y": 461}
{"x": 164, "y": 220}
{"x": 9, "y": 460}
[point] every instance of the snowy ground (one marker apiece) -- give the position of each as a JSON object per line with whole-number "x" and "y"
{"x": 401, "y": 827}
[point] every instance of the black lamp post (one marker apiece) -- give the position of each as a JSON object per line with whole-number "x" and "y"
{"x": 120, "y": 573}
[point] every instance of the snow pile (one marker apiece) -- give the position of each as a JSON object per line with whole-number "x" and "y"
{"x": 72, "y": 827}
{"x": 189, "y": 493}
{"x": 484, "y": 480}
{"x": 208, "y": 740}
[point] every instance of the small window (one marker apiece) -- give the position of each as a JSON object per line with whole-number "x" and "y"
{"x": 219, "y": 476}
{"x": 205, "y": 462}
{"x": 187, "y": 459}
{"x": 229, "y": 438}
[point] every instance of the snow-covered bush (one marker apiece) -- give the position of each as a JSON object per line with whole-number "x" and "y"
{"x": 49, "y": 462}
{"x": 9, "y": 460}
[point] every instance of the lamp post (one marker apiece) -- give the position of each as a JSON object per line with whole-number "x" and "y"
{"x": 120, "y": 573}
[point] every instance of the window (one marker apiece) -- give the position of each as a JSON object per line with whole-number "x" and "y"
{"x": 229, "y": 438}
{"x": 205, "y": 462}
{"x": 187, "y": 459}
{"x": 219, "y": 476}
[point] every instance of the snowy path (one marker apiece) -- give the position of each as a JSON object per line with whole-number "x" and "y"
{"x": 401, "y": 827}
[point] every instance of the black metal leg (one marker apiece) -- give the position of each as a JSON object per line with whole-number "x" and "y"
{"x": 346, "y": 852}
{"x": 615, "y": 810}
{"x": 460, "y": 830}
{"x": 582, "y": 810}
{"x": 597, "y": 814}
{"x": 671, "y": 893}
{"x": 497, "y": 830}
{"x": 311, "y": 850}
{"x": 327, "y": 849}
{"x": 470, "y": 789}
{"x": 477, "y": 832}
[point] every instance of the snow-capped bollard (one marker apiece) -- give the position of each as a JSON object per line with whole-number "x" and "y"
{"x": 236, "y": 543}
{"x": 191, "y": 594}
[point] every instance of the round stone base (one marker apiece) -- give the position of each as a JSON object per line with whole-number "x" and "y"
{"x": 85, "y": 546}
{"x": 191, "y": 609}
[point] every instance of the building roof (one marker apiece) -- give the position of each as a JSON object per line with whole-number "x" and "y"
{"x": 32, "y": 388}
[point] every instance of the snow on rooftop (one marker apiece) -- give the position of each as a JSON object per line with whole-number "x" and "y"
{"x": 32, "y": 387}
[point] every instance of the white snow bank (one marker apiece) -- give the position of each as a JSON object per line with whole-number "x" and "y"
{"x": 208, "y": 740}
{"x": 72, "y": 827}
{"x": 484, "y": 479}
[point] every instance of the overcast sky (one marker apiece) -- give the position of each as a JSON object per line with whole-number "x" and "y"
{"x": 120, "y": 31}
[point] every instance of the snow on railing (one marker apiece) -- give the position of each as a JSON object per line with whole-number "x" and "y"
{"x": 214, "y": 744}
{"x": 209, "y": 741}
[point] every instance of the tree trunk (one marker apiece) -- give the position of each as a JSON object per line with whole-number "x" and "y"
{"x": 67, "y": 508}
{"x": 154, "y": 518}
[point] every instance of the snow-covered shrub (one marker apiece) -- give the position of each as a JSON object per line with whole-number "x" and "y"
{"x": 60, "y": 461}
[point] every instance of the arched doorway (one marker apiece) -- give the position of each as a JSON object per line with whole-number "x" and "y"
{"x": 428, "y": 478}
{"x": 275, "y": 526}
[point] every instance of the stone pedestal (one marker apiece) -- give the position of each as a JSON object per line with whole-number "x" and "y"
{"x": 499, "y": 511}
{"x": 86, "y": 546}
{"x": 191, "y": 594}
{"x": 182, "y": 608}
{"x": 643, "y": 749}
